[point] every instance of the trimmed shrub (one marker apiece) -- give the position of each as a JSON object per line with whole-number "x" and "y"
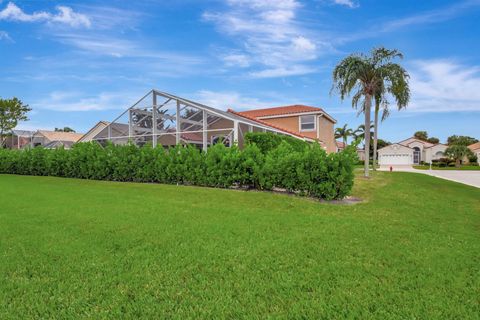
{"x": 308, "y": 170}
{"x": 267, "y": 141}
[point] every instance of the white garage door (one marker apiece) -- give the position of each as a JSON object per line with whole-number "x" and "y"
{"x": 395, "y": 159}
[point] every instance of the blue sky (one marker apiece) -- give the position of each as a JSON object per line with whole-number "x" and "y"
{"x": 77, "y": 62}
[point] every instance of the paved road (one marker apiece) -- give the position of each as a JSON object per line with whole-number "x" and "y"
{"x": 471, "y": 178}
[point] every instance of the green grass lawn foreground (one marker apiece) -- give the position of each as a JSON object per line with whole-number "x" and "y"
{"x": 425, "y": 167}
{"x": 90, "y": 249}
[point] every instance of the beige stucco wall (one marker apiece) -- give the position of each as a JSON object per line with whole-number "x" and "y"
{"x": 290, "y": 123}
{"x": 431, "y": 153}
{"x": 324, "y": 132}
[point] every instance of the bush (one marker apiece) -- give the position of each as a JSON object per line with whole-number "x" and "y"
{"x": 267, "y": 141}
{"x": 472, "y": 158}
{"x": 306, "y": 170}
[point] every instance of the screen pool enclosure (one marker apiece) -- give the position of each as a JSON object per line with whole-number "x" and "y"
{"x": 160, "y": 118}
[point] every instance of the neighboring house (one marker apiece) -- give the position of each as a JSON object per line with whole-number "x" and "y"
{"x": 340, "y": 145}
{"x": 52, "y": 139}
{"x": 361, "y": 154}
{"x": 410, "y": 151}
{"x": 304, "y": 121}
{"x": 98, "y": 129}
{"x": 476, "y": 150}
{"x": 19, "y": 139}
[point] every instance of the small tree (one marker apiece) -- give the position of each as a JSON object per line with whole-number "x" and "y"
{"x": 458, "y": 153}
{"x": 433, "y": 140}
{"x": 65, "y": 129}
{"x": 11, "y": 112}
{"x": 421, "y": 135}
{"x": 461, "y": 140}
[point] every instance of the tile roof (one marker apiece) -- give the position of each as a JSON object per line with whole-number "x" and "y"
{"x": 474, "y": 146}
{"x": 252, "y": 118}
{"x": 276, "y": 111}
{"x": 60, "y": 136}
{"x": 408, "y": 141}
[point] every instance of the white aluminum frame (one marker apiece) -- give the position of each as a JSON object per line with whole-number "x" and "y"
{"x": 157, "y": 112}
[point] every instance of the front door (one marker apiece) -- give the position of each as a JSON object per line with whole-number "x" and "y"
{"x": 416, "y": 157}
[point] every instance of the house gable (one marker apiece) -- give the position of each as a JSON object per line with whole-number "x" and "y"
{"x": 395, "y": 148}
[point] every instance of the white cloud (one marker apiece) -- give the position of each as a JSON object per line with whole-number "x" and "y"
{"x": 65, "y": 15}
{"x": 120, "y": 48}
{"x": 268, "y": 35}
{"x": 348, "y": 3}
{"x": 234, "y": 100}
{"x": 433, "y": 16}
{"x": 66, "y": 101}
{"x": 236, "y": 60}
{"x": 304, "y": 47}
{"x": 282, "y": 71}
{"x": 5, "y": 36}
{"x": 423, "y": 18}
{"x": 444, "y": 86}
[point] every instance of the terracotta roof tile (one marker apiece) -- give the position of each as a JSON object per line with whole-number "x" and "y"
{"x": 474, "y": 146}
{"x": 276, "y": 111}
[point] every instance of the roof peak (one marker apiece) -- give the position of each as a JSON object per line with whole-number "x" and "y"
{"x": 284, "y": 111}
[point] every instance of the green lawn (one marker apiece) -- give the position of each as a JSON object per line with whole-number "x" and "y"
{"x": 88, "y": 249}
{"x": 425, "y": 167}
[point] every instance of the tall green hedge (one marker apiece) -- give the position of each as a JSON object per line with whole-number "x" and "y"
{"x": 267, "y": 141}
{"x": 306, "y": 171}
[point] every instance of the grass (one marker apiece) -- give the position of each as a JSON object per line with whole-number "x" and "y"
{"x": 466, "y": 167}
{"x": 88, "y": 249}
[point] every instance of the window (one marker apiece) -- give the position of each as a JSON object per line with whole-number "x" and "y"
{"x": 307, "y": 123}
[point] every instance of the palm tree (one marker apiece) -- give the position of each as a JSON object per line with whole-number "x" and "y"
{"x": 343, "y": 133}
{"x": 372, "y": 78}
{"x": 360, "y": 133}
{"x": 458, "y": 153}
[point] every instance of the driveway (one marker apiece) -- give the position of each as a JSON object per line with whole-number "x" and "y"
{"x": 471, "y": 178}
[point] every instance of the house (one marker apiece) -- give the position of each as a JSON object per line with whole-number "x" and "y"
{"x": 54, "y": 139}
{"x": 99, "y": 128}
{"x": 475, "y": 148}
{"x": 410, "y": 151}
{"x": 340, "y": 145}
{"x": 161, "y": 118}
{"x": 304, "y": 121}
{"x": 19, "y": 139}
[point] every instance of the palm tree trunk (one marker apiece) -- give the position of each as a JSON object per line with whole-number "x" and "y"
{"x": 375, "y": 138}
{"x": 2, "y": 140}
{"x": 368, "y": 107}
